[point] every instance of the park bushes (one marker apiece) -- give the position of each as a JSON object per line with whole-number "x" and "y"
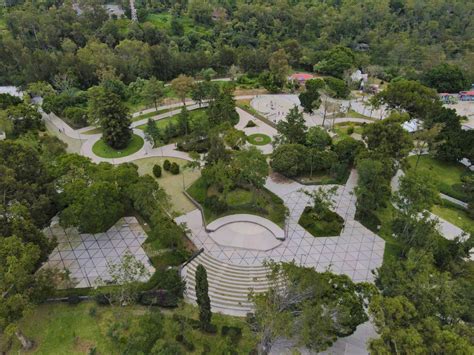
{"x": 157, "y": 170}
{"x": 69, "y": 105}
{"x": 174, "y": 168}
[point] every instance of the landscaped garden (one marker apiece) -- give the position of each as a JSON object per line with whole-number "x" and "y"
{"x": 259, "y": 139}
{"x": 103, "y": 150}
{"x": 238, "y": 200}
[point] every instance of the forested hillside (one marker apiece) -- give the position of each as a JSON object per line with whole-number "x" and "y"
{"x": 70, "y": 44}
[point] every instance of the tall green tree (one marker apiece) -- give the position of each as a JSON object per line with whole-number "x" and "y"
{"x": 182, "y": 86}
{"x": 107, "y": 110}
{"x": 202, "y": 297}
{"x": 153, "y": 91}
{"x": 293, "y": 128}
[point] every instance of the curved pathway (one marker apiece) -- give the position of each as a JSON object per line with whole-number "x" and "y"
{"x": 356, "y": 252}
{"x": 87, "y": 141}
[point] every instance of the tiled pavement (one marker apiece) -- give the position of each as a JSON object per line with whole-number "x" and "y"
{"x": 87, "y": 256}
{"x": 356, "y": 252}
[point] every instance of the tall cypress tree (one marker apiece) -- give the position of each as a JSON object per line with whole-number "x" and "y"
{"x": 203, "y": 299}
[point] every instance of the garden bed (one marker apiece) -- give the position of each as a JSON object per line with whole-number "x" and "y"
{"x": 263, "y": 203}
{"x": 327, "y": 224}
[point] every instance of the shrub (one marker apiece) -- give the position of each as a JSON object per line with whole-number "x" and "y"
{"x": 161, "y": 298}
{"x": 234, "y": 333}
{"x": 93, "y": 311}
{"x": 174, "y": 169}
{"x": 73, "y": 299}
{"x": 157, "y": 170}
{"x": 167, "y": 165}
{"x": 102, "y": 300}
{"x": 250, "y": 124}
{"x": 186, "y": 343}
{"x": 350, "y": 130}
{"x": 215, "y": 204}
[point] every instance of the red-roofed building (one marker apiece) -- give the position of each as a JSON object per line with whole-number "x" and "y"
{"x": 466, "y": 95}
{"x": 301, "y": 77}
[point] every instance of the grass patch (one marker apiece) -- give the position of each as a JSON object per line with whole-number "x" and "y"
{"x": 93, "y": 131}
{"x": 326, "y": 224}
{"x": 455, "y": 215}
{"x": 101, "y": 149}
{"x": 354, "y": 114}
{"x": 70, "y": 329}
{"x": 172, "y": 184}
{"x": 446, "y": 176}
{"x": 154, "y": 113}
{"x": 194, "y": 116}
{"x": 264, "y": 203}
{"x": 258, "y": 139}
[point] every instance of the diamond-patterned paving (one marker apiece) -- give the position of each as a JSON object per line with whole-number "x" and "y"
{"x": 87, "y": 256}
{"x": 356, "y": 252}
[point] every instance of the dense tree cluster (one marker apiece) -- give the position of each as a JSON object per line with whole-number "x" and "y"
{"x": 311, "y": 310}
{"x": 300, "y": 151}
{"x": 54, "y": 41}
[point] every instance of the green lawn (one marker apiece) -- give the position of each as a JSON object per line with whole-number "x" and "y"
{"x": 446, "y": 176}
{"x": 71, "y": 329}
{"x": 264, "y": 203}
{"x": 101, "y": 149}
{"x": 454, "y": 215}
{"x": 341, "y": 129}
{"x": 154, "y": 113}
{"x": 259, "y": 139}
{"x": 172, "y": 184}
{"x": 354, "y": 114}
{"x": 194, "y": 116}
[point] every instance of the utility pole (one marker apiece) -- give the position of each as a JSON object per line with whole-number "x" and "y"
{"x": 133, "y": 11}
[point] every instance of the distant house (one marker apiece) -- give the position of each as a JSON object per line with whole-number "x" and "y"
{"x": 466, "y": 95}
{"x": 301, "y": 77}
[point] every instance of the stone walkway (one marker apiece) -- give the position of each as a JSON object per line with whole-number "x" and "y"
{"x": 356, "y": 252}
{"x": 87, "y": 256}
{"x": 276, "y": 107}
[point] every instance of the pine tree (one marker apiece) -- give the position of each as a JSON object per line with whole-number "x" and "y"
{"x": 203, "y": 299}
{"x": 107, "y": 109}
{"x": 183, "y": 121}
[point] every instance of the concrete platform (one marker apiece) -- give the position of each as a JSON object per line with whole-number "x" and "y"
{"x": 246, "y": 231}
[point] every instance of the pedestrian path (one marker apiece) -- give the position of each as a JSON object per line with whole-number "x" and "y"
{"x": 356, "y": 252}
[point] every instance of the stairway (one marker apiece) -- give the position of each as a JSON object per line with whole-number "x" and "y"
{"x": 229, "y": 285}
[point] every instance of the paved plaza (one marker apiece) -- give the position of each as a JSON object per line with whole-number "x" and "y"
{"x": 87, "y": 256}
{"x": 356, "y": 252}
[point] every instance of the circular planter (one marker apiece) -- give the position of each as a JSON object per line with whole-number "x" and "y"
{"x": 259, "y": 139}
